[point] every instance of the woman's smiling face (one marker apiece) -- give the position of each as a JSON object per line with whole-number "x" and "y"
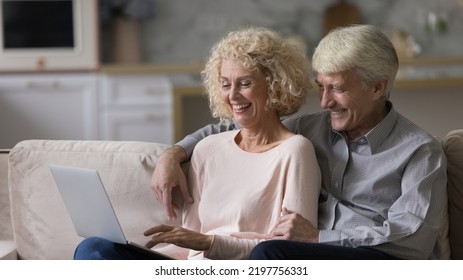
{"x": 246, "y": 93}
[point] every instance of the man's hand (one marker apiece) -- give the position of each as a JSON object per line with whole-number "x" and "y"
{"x": 167, "y": 175}
{"x": 292, "y": 226}
{"x": 178, "y": 236}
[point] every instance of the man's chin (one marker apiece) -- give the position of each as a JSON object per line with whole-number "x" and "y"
{"x": 338, "y": 127}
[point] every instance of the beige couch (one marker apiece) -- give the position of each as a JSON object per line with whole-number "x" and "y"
{"x": 33, "y": 214}
{"x": 35, "y": 217}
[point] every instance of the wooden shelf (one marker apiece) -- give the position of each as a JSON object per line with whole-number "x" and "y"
{"x": 428, "y": 83}
{"x": 198, "y": 67}
{"x": 431, "y": 61}
{"x": 151, "y": 68}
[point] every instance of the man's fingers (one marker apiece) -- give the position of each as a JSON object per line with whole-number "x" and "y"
{"x": 167, "y": 202}
{"x": 277, "y": 231}
{"x": 285, "y": 211}
{"x": 185, "y": 192}
{"x": 155, "y": 187}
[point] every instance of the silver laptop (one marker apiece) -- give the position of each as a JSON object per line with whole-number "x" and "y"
{"x": 90, "y": 209}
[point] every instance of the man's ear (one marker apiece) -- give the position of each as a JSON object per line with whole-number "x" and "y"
{"x": 380, "y": 88}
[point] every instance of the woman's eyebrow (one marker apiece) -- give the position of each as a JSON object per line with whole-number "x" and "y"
{"x": 238, "y": 78}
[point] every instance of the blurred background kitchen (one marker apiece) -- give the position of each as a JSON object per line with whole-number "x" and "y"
{"x": 147, "y": 88}
{"x": 182, "y": 31}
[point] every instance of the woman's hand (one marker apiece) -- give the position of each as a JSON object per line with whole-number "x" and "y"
{"x": 178, "y": 236}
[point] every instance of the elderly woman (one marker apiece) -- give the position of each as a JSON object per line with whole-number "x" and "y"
{"x": 243, "y": 180}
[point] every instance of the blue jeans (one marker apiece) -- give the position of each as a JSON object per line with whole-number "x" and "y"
{"x": 96, "y": 248}
{"x": 293, "y": 250}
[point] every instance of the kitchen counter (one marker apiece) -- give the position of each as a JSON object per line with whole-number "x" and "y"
{"x": 430, "y": 73}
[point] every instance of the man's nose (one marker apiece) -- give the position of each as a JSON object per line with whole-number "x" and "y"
{"x": 326, "y": 98}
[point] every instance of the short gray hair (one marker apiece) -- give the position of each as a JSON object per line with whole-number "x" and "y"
{"x": 362, "y": 48}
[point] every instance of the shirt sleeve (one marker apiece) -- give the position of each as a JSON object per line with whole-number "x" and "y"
{"x": 303, "y": 182}
{"x": 189, "y": 142}
{"x": 230, "y": 248}
{"x": 414, "y": 219}
{"x": 291, "y": 123}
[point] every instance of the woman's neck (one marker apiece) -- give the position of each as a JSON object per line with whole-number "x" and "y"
{"x": 262, "y": 138}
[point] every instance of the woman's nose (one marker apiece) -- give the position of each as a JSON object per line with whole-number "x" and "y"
{"x": 234, "y": 93}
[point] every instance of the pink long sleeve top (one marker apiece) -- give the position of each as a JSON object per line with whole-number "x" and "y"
{"x": 238, "y": 191}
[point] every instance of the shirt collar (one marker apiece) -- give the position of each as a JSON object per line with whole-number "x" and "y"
{"x": 378, "y": 134}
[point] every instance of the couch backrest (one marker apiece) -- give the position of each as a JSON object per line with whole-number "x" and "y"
{"x": 42, "y": 227}
{"x": 41, "y": 224}
{"x": 453, "y": 147}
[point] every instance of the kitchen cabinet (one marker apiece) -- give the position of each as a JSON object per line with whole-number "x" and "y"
{"x": 48, "y": 106}
{"x": 136, "y": 107}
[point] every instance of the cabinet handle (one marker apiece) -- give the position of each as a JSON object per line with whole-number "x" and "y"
{"x": 153, "y": 117}
{"x": 152, "y": 91}
{"x": 149, "y": 117}
{"x": 34, "y": 84}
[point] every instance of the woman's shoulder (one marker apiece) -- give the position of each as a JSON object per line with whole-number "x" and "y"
{"x": 297, "y": 143}
{"x": 218, "y": 139}
{"x": 299, "y": 139}
{"x": 212, "y": 145}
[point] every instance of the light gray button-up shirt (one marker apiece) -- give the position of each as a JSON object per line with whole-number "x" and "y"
{"x": 386, "y": 190}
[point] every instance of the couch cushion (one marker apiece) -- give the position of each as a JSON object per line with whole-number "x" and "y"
{"x": 8, "y": 250}
{"x": 43, "y": 229}
{"x": 453, "y": 147}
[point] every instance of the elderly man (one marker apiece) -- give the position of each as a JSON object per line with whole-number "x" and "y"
{"x": 383, "y": 178}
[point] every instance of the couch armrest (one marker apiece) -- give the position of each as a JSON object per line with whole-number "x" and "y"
{"x": 6, "y": 230}
{"x": 8, "y": 250}
{"x": 453, "y": 147}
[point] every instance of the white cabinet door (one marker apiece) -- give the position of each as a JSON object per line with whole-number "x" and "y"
{"x": 137, "y": 107}
{"x": 131, "y": 125}
{"x": 48, "y": 106}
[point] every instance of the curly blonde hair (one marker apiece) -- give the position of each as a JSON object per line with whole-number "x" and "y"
{"x": 283, "y": 62}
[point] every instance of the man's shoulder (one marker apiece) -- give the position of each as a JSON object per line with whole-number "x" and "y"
{"x": 408, "y": 131}
{"x": 409, "y": 128}
{"x": 317, "y": 116}
{"x": 303, "y": 122}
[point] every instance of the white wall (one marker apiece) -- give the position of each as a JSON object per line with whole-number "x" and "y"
{"x": 436, "y": 110}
